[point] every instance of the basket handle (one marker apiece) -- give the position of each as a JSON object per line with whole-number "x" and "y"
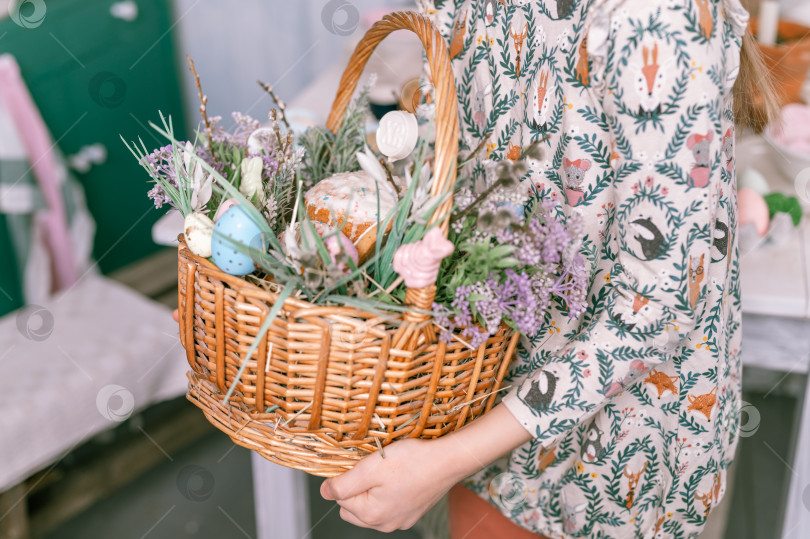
{"x": 446, "y": 115}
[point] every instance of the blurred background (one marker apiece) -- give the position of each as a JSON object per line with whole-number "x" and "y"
{"x": 96, "y": 437}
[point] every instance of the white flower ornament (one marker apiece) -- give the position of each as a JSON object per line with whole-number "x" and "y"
{"x": 201, "y": 185}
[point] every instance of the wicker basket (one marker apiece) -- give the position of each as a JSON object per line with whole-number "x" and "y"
{"x": 328, "y": 385}
{"x": 789, "y": 61}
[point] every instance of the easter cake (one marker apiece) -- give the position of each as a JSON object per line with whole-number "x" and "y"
{"x": 350, "y": 201}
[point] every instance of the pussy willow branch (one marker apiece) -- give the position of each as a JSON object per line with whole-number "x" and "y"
{"x": 203, "y": 105}
{"x": 477, "y": 149}
{"x": 279, "y": 103}
{"x": 482, "y": 196}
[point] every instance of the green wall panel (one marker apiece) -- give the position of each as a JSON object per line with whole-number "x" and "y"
{"x": 94, "y": 78}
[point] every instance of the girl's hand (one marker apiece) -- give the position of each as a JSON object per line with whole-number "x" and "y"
{"x": 176, "y": 315}
{"x": 392, "y": 493}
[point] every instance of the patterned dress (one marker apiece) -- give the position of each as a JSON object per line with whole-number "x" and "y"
{"x": 633, "y": 405}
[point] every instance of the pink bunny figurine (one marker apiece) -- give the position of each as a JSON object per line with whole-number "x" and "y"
{"x": 418, "y": 263}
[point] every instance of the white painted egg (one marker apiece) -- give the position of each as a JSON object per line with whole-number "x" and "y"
{"x": 198, "y": 229}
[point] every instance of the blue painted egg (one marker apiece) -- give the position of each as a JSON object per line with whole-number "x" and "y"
{"x": 518, "y": 210}
{"x": 235, "y": 225}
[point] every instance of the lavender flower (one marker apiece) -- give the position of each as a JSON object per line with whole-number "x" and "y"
{"x": 161, "y": 166}
{"x": 547, "y": 264}
{"x": 442, "y": 317}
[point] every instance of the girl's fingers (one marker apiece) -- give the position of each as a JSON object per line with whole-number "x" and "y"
{"x": 326, "y": 494}
{"x": 350, "y": 484}
{"x": 349, "y": 517}
{"x": 176, "y": 315}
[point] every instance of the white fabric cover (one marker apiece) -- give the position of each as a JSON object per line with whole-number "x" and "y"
{"x": 111, "y": 351}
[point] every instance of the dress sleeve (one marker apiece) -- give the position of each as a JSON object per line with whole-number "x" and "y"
{"x": 666, "y": 96}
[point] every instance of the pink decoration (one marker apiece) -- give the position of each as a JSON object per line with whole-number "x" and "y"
{"x": 753, "y": 209}
{"x": 795, "y": 128}
{"x": 225, "y": 206}
{"x": 334, "y": 243}
{"x": 613, "y": 389}
{"x": 418, "y": 263}
{"x": 39, "y": 146}
{"x": 574, "y": 196}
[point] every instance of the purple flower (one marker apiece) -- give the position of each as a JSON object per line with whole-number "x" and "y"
{"x": 549, "y": 265}
{"x": 161, "y": 165}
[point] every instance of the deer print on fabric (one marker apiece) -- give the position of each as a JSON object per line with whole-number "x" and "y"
{"x": 459, "y": 30}
{"x": 650, "y": 79}
{"x": 701, "y": 150}
{"x": 575, "y": 174}
{"x": 546, "y": 458}
{"x": 517, "y": 40}
{"x": 711, "y": 497}
{"x": 582, "y": 68}
{"x": 632, "y": 484}
{"x": 541, "y": 391}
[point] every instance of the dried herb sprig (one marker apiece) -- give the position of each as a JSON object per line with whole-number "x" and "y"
{"x": 203, "y": 104}
{"x": 282, "y": 107}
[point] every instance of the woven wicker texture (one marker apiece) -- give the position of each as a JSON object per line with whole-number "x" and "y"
{"x": 328, "y": 385}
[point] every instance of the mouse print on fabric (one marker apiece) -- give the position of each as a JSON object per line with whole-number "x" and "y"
{"x": 575, "y": 175}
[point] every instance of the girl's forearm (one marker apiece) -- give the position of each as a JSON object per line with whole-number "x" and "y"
{"x": 478, "y": 444}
